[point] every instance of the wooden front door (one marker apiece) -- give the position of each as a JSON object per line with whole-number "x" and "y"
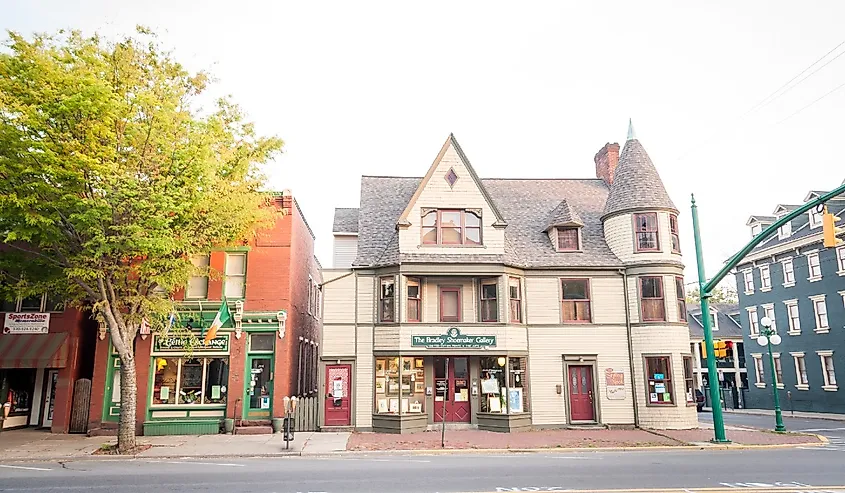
{"x": 338, "y": 408}
{"x": 581, "y": 393}
{"x": 451, "y": 383}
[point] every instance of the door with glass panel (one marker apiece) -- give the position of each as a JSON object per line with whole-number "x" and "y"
{"x": 259, "y": 382}
{"x": 451, "y": 382}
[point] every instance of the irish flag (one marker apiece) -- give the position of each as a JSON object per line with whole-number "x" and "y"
{"x": 221, "y": 318}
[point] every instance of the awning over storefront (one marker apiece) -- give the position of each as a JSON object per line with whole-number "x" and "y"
{"x": 33, "y": 350}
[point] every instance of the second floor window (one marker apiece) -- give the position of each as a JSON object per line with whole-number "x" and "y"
{"x": 651, "y": 299}
{"x": 794, "y": 319}
{"x": 673, "y": 229}
{"x": 450, "y": 304}
{"x": 515, "y": 295}
{"x": 748, "y": 280}
{"x": 765, "y": 277}
{"x": 235, "y": 275}
{"x": 840, "y": 257}
{"x": 820, "y": 308}
{"x": 489, "y": 302}
{"x": 769, "y": 312}
{"x": 788, "y": 271}
{"x": 682, "y": 301}
{"x": 387, "y": 300}
{"x": 754, "y": 324}
{"x": 576, "y": 300}
{"x": 414, "y": 300}
{"x": 451, "y": 227}
{"x": 815, "y": 266}
{"x": 645, "y": 228}
{"x": 198, "y": 282}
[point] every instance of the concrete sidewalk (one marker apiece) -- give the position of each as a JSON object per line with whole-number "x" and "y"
{"x": 19, "y": 445}
{"x": 786, "y": 414}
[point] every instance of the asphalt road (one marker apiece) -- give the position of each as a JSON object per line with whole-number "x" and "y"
{"x": 441, "y": 473}
{"x": 833, "y": 430}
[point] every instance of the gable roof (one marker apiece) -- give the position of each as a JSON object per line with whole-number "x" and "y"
{"x": 524, "y": 204}
{"x": 727, "y": 315}
{"x": 760, "y": 219}
{"x": 636, "y": 183}
{"x": 450, "y": 141}
{"x": 563, "y": 215}
{"x": 345, "y": 220}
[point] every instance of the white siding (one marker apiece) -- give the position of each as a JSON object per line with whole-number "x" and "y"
{"x": 548, "y": 345}
{"x": 338, "y": 297}
{"x": 345, "y": 251}
{"x": 608, "y": 300}
{"x": 364, "y": 378}
{"x": 338, "y": 340}
{"x": 464, "y": 195}
{"x": 619, "y": 234}
{"x": 366, "y": 299}
{"x": 542, "y": 298}
{"x": 431, "y": 298}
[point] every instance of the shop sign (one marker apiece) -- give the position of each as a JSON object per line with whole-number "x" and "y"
{"x": 175, "y": 344}
{"x": 615, "y": 382}
{"x": 453, "y": 339}
{"x": 27, "y": 323}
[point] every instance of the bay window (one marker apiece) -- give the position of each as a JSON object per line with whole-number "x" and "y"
{"x": 515, "y": 294}
{"x": 651, "y": 299}
{"x": 400, "y": 385}
{"x": 451, "y": 227}
{"x": 575, "y": 305}
{"x": 673, "y": 229}
{"x": 682, "y": 300}
{"x": 646, "y": 230}
{"x": 659, "y": 376}
{"x": 689, "y": 380}
{"x": 489, "y": 301}
{"x": 387, "y": 300}
{"x": 414, "y": 300}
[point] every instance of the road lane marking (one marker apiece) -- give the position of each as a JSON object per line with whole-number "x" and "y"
{"x": 26, "y": 468}
{"x": 197, "y": 463}
{"x": 823, "y": 429}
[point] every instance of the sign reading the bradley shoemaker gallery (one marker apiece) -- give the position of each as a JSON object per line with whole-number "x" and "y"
{"x": 453, "y": 339}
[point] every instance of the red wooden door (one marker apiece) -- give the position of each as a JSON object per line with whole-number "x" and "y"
{"x": 451, "y": 385}
{"x": 581, "y": 393}
{"x": 338, "y": 409}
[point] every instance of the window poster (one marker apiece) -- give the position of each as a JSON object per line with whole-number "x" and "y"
{"x": 653, "y": 397}
{"x": 489, "y": 386}
{"x": 164, "y": 393}
{"x": 515, "y": 400}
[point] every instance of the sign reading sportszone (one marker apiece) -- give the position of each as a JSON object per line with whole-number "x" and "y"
{"x": 27, "y": 323}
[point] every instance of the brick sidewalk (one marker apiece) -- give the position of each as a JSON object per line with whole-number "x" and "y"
{"x": 552, "y": 439}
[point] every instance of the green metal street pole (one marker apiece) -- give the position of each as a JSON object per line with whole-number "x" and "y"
{"x": 778, "y": 417}
{"x": 715, "y": 400}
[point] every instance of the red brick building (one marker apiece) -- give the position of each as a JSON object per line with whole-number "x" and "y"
{"x": 266, "y": 351}
{"x": 44, "y": 350}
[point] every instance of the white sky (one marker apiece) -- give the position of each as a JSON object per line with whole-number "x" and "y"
{"x": 529, "y": 91}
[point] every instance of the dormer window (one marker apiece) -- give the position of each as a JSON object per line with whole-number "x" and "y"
{"x": 451, "y": 227}
{"x": 785, "y": 231}
{"x": 756, "y": 229}
{"x": 645, "y": 228}
{"x": 568, "y": 239}
{"x": 815, "y": 218}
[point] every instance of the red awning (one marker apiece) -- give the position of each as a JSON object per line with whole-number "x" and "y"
{"x": 33, "y": 350}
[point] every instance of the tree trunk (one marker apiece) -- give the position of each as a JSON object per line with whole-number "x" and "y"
{"x": 128, "y": 398}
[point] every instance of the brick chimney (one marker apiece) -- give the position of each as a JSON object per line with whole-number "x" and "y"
{"x": 606, "y": 160}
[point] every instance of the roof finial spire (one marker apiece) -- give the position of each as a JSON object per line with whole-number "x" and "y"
{"x": 631, "y": 134}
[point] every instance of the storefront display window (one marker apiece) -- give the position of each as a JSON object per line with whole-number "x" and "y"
{"x": 190, "y": 381}
{"x": 400, "y": 385}
{"x": 504, "y": 385}
{"x": 659, "y": 376}
{"x": 21, "y": 389}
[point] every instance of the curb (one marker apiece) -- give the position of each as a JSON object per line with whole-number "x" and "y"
{"x": 751, "y": 412}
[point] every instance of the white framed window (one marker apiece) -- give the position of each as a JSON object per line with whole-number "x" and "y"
{"x": 785, "y": 231}
{"x": 778, "y": 370}
{"x": 765, "y": 278}
{"x": 793, "y": 317}
{"x": 753, "y": 324}
{"x": 35, "y": 303}
{"x": 198, "y": 282}
{"x": 828, "y": 371}
{"x": 759, "y": 371}
{"x": 840, "y": 259}
{"x": 769, "y": 311}
{"x": 800, "y": 371}
{"x": 748, "y": 278}
{"x": 235, "y": 275}
{"x": 815, "y": 266}
{"x": 815, "y": 218}
{"x": 756, "y": 229}
{"x": 788, "y": 272}
{"x": 820, "y": 309}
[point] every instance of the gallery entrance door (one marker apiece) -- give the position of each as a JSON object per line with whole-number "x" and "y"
{"x": 451, "y": 383}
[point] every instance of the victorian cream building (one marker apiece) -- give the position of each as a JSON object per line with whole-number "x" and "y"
{"x": 508, "y": 304}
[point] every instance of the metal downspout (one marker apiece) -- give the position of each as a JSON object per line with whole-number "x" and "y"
{"x": 630, "y": 348}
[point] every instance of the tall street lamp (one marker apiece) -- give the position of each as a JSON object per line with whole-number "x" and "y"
{"x": 767, "y": 339}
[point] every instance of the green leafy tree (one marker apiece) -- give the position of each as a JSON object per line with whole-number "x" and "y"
{"x": 112, "y": 176}
{"x": 721, "y": 294}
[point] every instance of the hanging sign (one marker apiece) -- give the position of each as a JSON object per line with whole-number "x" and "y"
{"x": 453, "y": 339}
{"x": 173, "y": 344}
{"x": 27, "y": 323}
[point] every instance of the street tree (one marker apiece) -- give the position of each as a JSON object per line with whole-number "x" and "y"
{"x": 722, "y": 294}
{"x": 113, "y": 176}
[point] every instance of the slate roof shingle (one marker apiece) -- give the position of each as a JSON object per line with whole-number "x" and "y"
{"x": 636, "y": 183}
{"x": 345, "y": 220}
{"x": 563, "y": 215}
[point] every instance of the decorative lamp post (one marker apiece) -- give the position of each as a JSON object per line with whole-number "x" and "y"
{"x": 767, "y": 339}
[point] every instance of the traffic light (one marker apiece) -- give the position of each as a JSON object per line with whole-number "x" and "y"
{"x": 720, "y": 348}
{"x": 703, "y": 350}
{"x": 830, "y": 230}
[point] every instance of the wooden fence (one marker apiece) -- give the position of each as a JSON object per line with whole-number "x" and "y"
{"x": 306, "y": 416}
